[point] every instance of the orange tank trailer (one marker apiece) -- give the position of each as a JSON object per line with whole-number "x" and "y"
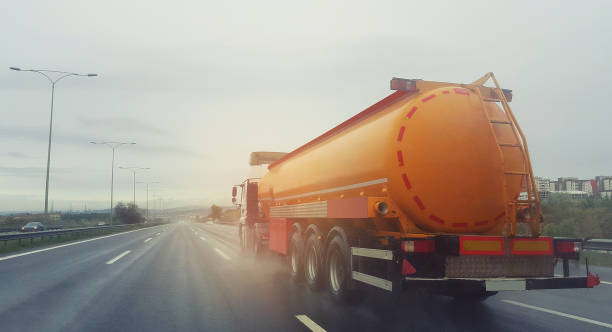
{"x": 434, "y": 182}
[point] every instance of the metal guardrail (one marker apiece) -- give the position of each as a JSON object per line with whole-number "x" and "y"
{"x": 597, "y": 244}
{"x": 71, "y": 231}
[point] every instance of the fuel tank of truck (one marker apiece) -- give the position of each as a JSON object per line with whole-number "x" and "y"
{"x": 432, "y": 154}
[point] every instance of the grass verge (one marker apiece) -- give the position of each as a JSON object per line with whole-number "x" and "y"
{"x": 596, "y": 258}
{"x": 16, "y": 245}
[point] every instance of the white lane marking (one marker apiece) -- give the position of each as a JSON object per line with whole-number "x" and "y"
{"x": 66, "y": 245}
{"x": 558, "y": 313}
{"x": 601, "y": 281}
{"x": 157, "y": 234}
{"x": 310, "y": 323}
{"x": 118, "y": 257}
{"x": 147, "y": 240}
{"x": 222, "y": 254}
{"x": 202, "y": 238}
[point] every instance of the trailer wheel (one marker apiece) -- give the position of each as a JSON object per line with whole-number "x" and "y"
{"x": 313, "y": 262}
{"x": 339, "y": 272}
{"x": 294, "y": 257}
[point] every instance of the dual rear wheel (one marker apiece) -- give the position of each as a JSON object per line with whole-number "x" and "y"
{"x": 309, "y": 261}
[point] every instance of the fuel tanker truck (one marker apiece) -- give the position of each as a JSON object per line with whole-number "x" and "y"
{"x": 430, "y": 188}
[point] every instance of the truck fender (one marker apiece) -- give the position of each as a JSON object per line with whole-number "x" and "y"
{"x": 311, "y": 229}
{"x": 332, "y": 232}
{"x": 296, "y": 227}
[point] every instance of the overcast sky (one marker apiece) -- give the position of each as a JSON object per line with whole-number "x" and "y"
{"x": 198, "y": 85}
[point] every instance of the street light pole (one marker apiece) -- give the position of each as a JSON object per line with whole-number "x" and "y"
{"x": 113, "y": 146}
{"x": 61, "y": 75}
{"x": 133, "y": 170}
{"x": 147, "y": 183}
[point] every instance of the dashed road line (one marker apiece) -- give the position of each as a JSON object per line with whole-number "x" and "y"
{"x": 118, "y": 257}
{"x": 203, "y": 238}
{"x": 65, "y": 245}
{"x": 222, "y": 254}
{"x": 147, "y": 240}
{"x": 310, "y": 323}
{"x": 558, "y": 313}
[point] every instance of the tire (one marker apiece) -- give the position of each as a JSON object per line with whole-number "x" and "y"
{"x": 294, "y": 257}
{"x": 313, "y": 262}
{"x": 338, "y": 270}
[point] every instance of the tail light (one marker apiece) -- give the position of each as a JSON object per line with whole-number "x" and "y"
{"x": 567, "y": 247}
{"x": 425, "y": 246}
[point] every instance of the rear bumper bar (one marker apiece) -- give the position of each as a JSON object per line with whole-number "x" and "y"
{"x": 448, "y": 285}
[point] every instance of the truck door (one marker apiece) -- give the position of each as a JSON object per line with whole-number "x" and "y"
{"x": 252, "y": 203}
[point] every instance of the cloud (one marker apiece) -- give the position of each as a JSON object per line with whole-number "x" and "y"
{"x": 18, "y": 155}
{"x": 123, "y": 124}
{"x": 36, "y": 134}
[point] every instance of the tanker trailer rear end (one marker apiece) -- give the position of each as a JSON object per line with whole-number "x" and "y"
{"x": 431, "y": 187}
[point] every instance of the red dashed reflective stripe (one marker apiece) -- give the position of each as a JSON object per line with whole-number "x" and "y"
{"x": 460, "y": 224}
{"x": 460, "y": 91}
{"x": 480, "y": 223}
{"x": 411, "y": 113}
{"x": 418, "y": 201}
{"x": 428, "y": 98}
{"x": 400, "y": 158}
{"x": 406, "y": 181}
{"x": 445, "y": 92}
{"x": 436, "y": 219}
{"x": 400, "y": 135}
{"x": 501, "y": 215}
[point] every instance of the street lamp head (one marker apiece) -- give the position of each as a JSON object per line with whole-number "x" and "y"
{"x": 15, "y": 68}
{"x": 92, "y": 75}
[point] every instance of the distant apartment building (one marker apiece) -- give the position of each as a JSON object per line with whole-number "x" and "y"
{"x": 603, "y": 186}
{"x": 543, "y": 187}
{"x": 600, "y": 187}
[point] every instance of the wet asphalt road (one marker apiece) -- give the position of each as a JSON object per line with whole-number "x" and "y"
{"x": 191, "y": 277}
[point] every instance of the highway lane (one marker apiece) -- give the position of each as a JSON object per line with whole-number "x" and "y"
{"x": 427, "y": 312}
{"x": 192, "y": 277}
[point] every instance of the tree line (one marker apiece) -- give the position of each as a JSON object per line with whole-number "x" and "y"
{"x": 564, "y": 216}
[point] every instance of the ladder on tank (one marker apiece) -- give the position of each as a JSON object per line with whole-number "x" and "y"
{"x": 530, "y": 207}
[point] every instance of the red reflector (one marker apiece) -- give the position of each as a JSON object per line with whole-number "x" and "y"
{"x": 567, "y": 247}
{"x": 407, "y": 268}
{"x": 419, "y": 246}
{"x": 592, "y": 280}
{"x": 402, "y": 84}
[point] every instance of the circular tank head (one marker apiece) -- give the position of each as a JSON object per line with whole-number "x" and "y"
{"x": 447, "y": 173}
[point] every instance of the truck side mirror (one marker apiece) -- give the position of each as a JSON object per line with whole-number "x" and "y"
{"x": 234, "y": 193}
